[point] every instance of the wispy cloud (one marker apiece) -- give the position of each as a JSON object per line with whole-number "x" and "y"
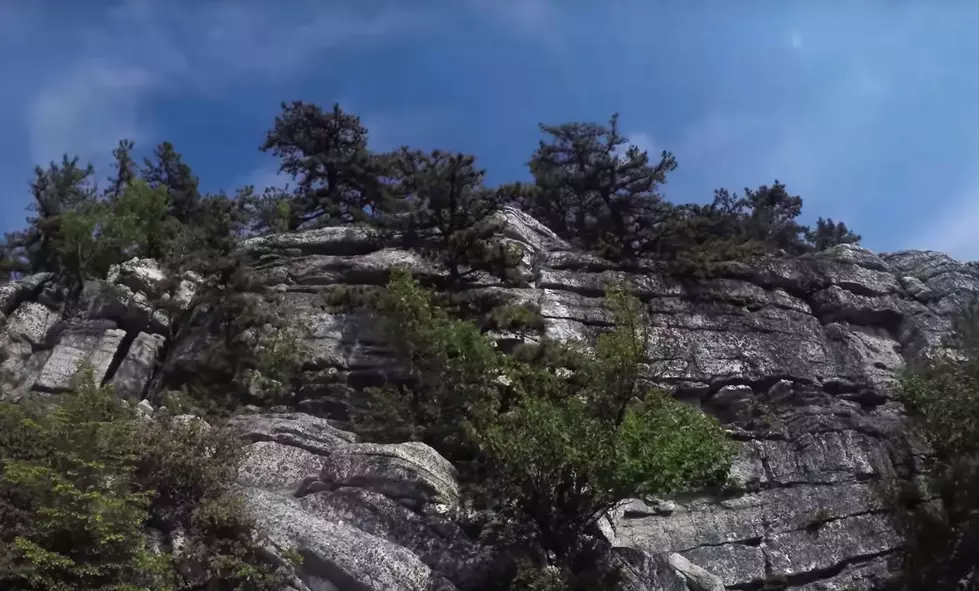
{"x": 121, "y": 57}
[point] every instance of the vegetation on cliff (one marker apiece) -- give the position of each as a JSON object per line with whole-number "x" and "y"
{"x": 940, "y": 517}
{"x": 86, "y": 480}
{"x": 548, "y": 435}
{"x": 556, "y": 446}
{"x": 590, "y": 186}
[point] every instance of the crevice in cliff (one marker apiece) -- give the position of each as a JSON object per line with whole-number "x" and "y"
{"x": 817, "y": 575}
{"x": 119, "y": 356}
{"x": 26, "y": 295}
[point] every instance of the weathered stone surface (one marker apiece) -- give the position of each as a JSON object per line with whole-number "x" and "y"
{"x": 403, "y": 471}
{"x": 29, "y": 324}
{"x": 293, "y": 451}
{"x": 799, "y": 354}
{"x": 437, "y": 541}
{"x": 796, "y": 355}
{"x": 278, "y": 467}
{"x": 139, "y": 275}
{"x": 94, "y": 344}
{"x": 336, "y": 553}
{"x": 137, "y": 367}
{"x": 648, "y": 572}
{"x": 697, "y": 578}
{"x": 15, "y": 292}
{"x": 831, "y": 544}
{"x": 299, "y": 430}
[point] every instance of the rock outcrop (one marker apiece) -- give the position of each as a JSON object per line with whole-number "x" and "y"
{"x": 795, "y": 355}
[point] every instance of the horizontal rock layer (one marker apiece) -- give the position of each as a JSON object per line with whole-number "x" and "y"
{"x": 797, "y": 356}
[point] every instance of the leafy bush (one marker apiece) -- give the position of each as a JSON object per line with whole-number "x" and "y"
{"x": 941, "y": 396}
{"x": 560, "y": 447}
{"x": 85, "y": 479}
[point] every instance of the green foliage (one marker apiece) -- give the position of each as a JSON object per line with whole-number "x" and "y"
{"x": 531, "y": 577}
{"x": 167, "y": 171}
{"x": 252, "y": 359}
{"x": 338, "y": 180}
{"x": 561, "y": 447}
{"x": 443, "y": 210}
{"x": 592, "y": 194}
{"x": 446, "y": 361}
{"x": 55, "y": 190}
{"x": 125, "y": 166}
{"x": 81, "y": 482}
{"x": 828, "y": 233}
{"x": 523, "y": 319}
{"x": 278, "y": 365}
{"x": 941, "y": 396}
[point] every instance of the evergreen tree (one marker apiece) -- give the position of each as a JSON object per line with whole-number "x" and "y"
{"x": 125, "y": 167}
{"x": 55, "y": 191}
{"x": 773, "y": 218}
{"x": 168, "y": 170}
{"x": 829, "y": 233}
{"x": 447, "y": 213}
{"x": 338, "y": 180}
{"x": 594, "y": 195}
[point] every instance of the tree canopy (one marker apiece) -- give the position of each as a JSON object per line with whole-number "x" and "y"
{"x": 590, "y": 185}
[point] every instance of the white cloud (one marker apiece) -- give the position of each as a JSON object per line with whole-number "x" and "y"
{"x": 795, "y": 40}
{"x": 88, "y": 112}
{"x": 86, "y": 96}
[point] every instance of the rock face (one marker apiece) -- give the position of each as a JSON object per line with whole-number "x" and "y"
{"x": 796, "y": 356}
{"x": 118, "y": 330}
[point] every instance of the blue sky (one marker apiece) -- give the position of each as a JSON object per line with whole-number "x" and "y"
{"x": 867, "y": 109}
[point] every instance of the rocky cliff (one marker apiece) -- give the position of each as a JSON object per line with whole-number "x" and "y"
{"x": 794, "y": 355}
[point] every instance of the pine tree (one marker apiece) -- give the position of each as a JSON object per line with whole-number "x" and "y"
{"x": 594, "y": 195}
{"x": 448, "y": 214}
{"x": 56, "y": 191}
{"x": 773, "y": 218}
{"x": 126, "y": 169}
{"x": 167, "y": 169}
{"x": 338, "y": 180}
{"x": 829, "y": 233}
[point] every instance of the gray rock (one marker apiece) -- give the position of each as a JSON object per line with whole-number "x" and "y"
{"x": 697, "y": 578}
{"x": 796, "y": 355}
{"x": 403, "y": 471}
{"x": 300, "y": 430}
{"x": 93, "y": 344}
{"x": 648, "y": 572}
{"x": 336, "y": 553}
{"x": 278, "y": 467}
{"x": 137, "y": 367}
{"x": 15, "y": 292}
{"x": 145, "y": 407}
{"x": 139, "y": 275}
{"x": 832, "y": 544}
{"x": 437, "y": 541}
{"x": 29, "y": 324}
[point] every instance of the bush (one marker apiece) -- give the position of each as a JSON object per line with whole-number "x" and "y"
{"x": 558, "y": 447}
{"x": 941, "y": 396}
{"x": 85, "y": 479}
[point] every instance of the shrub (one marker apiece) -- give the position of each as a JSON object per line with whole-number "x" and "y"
{"x": 83, "y": 480}
{"x": 941, "y": 396}
{"x": 560, "y": 447}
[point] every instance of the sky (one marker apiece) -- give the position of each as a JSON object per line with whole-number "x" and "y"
{"x": 869, "y": 110}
